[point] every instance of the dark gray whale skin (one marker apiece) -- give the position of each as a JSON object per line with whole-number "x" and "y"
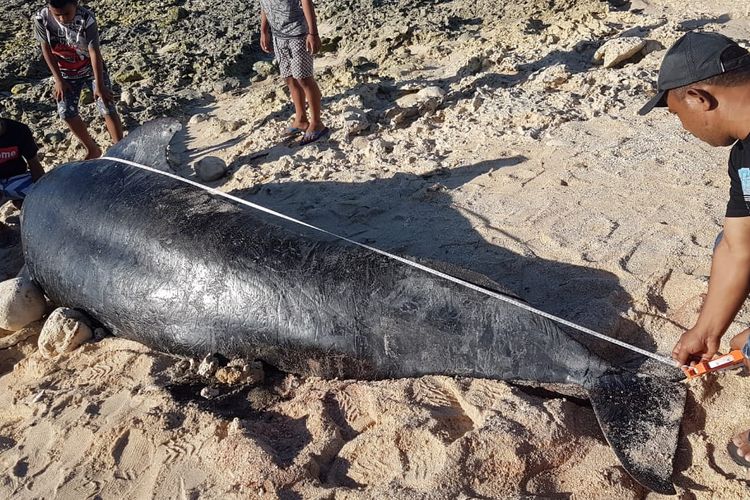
{"x": 187, "y": 272}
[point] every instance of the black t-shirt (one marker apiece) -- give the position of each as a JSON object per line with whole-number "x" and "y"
{"x": 17, "y": 146}
{"x": 739, "y": 173}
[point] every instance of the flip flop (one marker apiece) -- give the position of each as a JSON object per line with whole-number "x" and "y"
{"x": 313, "y": 136}
{"x": 292, "y": 132}
{"x": 734, "y": 454}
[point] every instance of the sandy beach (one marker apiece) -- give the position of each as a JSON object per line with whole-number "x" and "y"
{"x": 479, "y": 134}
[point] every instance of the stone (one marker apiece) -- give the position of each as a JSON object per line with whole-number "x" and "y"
{"x": 64, "y": 331}
{"x": 210, "y": 168}
{"x": 87, "y": 97}
{"x": 551, "y": 77}
{"x": 20, "y": 88}
{"x": 195, "y": 119}
{"x": 264, "y": 68}
{"x": 355, "y": 121}
{"x": 127, "y": 97}
{"x": 170, "y": 48}
{"x": 21, "y": 303}
{"x": 618, "y": 50}
{"x": 209, "y": 392}
{"x": 208, "y": 366}
{"x": 175, "y": 14}
{"x": 128, "y": 76}
{"x": 330, "y": 44}
{"x": 227, "y": 84}
{"x": 239, "y": 371}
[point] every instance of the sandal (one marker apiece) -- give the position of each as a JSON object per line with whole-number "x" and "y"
{"x": 313, "y": 136}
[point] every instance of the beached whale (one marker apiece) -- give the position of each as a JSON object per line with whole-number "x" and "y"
{"x": 185, "y": 271}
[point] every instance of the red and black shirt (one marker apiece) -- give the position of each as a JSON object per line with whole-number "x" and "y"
{"x": 70, "y": 43}
{"x": 17, "y": 146}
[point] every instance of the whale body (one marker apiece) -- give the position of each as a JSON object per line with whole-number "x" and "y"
{"x": 167, "y": 264}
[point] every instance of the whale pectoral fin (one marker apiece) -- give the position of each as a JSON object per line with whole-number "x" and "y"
{"x": 640, "y": 417}
{"x": 148, "y": 144}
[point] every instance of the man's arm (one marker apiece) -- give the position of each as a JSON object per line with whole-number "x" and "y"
{"x": 35, "y": 168}
{"x": 313, "y": 39}
{"x": 727, "y": 290}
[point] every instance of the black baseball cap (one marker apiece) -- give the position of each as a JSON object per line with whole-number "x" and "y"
{"x": 695, "y": 57}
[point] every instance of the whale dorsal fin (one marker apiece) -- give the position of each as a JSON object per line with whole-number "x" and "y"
{"x": 148, "y": 144}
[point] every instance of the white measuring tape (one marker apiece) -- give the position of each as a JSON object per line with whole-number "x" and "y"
{"x": 504, "y": 298}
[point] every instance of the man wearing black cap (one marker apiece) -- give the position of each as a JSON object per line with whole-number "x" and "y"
{"x": 705, "y": 80}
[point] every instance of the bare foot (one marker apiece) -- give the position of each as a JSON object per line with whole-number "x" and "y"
{"x": 300, "y": 124}
{"x": 93, "y": 153}
{"x": 314, "y": 126}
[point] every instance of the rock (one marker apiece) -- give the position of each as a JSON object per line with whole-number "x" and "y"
{"x": 355, "y": 121}
{"x": 551, "y": 77}
{"x": 618, "y": 50}
{"x": 210, "y": 168}
{"x": 200, "y": 117}
{"x": 175, "y": 14}
{"x": 227, "y": 84}
{"x": 64, "y": 331}
{"x": 330, "y": 44}
{"x": 21, "y": 303}
{"x": 208, "y": 366}
{"x": 430, "y": 98}
{"x": 87, "y": 97}
{"x": 127, "y": 97}
{"x": 128, "y": 76}
{"x": 20, "y": 88}
{"x": 239, "y": 371}
{"x": 170, "y": 48}
{"x": 209, "y": 392}
{"x": 54, "y": 137}
{"x": 264, "y": 68}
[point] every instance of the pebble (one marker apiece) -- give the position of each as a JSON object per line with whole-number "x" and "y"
{"x": 64, "y": 331}
{"x": 210, "y": 168}
{"x": 618, "y": 50}
{"x": 21, "y": 303}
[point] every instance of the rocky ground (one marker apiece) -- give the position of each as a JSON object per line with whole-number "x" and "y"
{"x": 501, "y": 136}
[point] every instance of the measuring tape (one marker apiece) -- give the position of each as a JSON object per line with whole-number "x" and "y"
{"x": 504, "y": 298}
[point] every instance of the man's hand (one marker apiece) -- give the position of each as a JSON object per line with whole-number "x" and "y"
{"x": 312, "y": 43}
{"x": 61, "y": 88}
{"x": 102, "y": 93}
{"x": 265, "y": 41}
{"x": 696, "y": 344}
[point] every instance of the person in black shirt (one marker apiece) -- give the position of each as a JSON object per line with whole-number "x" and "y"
{"x": 19, "y": 165}
{"x": 705, "y": 80}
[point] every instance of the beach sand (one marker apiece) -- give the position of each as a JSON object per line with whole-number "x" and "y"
{"x": 533, "y": 168}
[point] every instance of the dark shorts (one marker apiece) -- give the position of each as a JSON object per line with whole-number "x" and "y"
{"x": 294, "y": 59}
{"x": 68, "y": 107}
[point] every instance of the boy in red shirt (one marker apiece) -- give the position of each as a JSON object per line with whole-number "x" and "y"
{"x": 70, "y": 44}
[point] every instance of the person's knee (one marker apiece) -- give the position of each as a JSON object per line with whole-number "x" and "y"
{"x": 307, "y": 82}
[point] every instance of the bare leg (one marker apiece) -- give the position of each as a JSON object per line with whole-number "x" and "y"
{"x": 313, "y": 96}
{"x": 114, "y": 127}
{"x": 79, "y": 129}
{"x": 298, "y": 98}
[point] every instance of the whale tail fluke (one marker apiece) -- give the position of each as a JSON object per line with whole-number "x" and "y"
{"x": 640, "y": 417}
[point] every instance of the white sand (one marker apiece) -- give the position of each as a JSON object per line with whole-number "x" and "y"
{"x": 551, "y": 185}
